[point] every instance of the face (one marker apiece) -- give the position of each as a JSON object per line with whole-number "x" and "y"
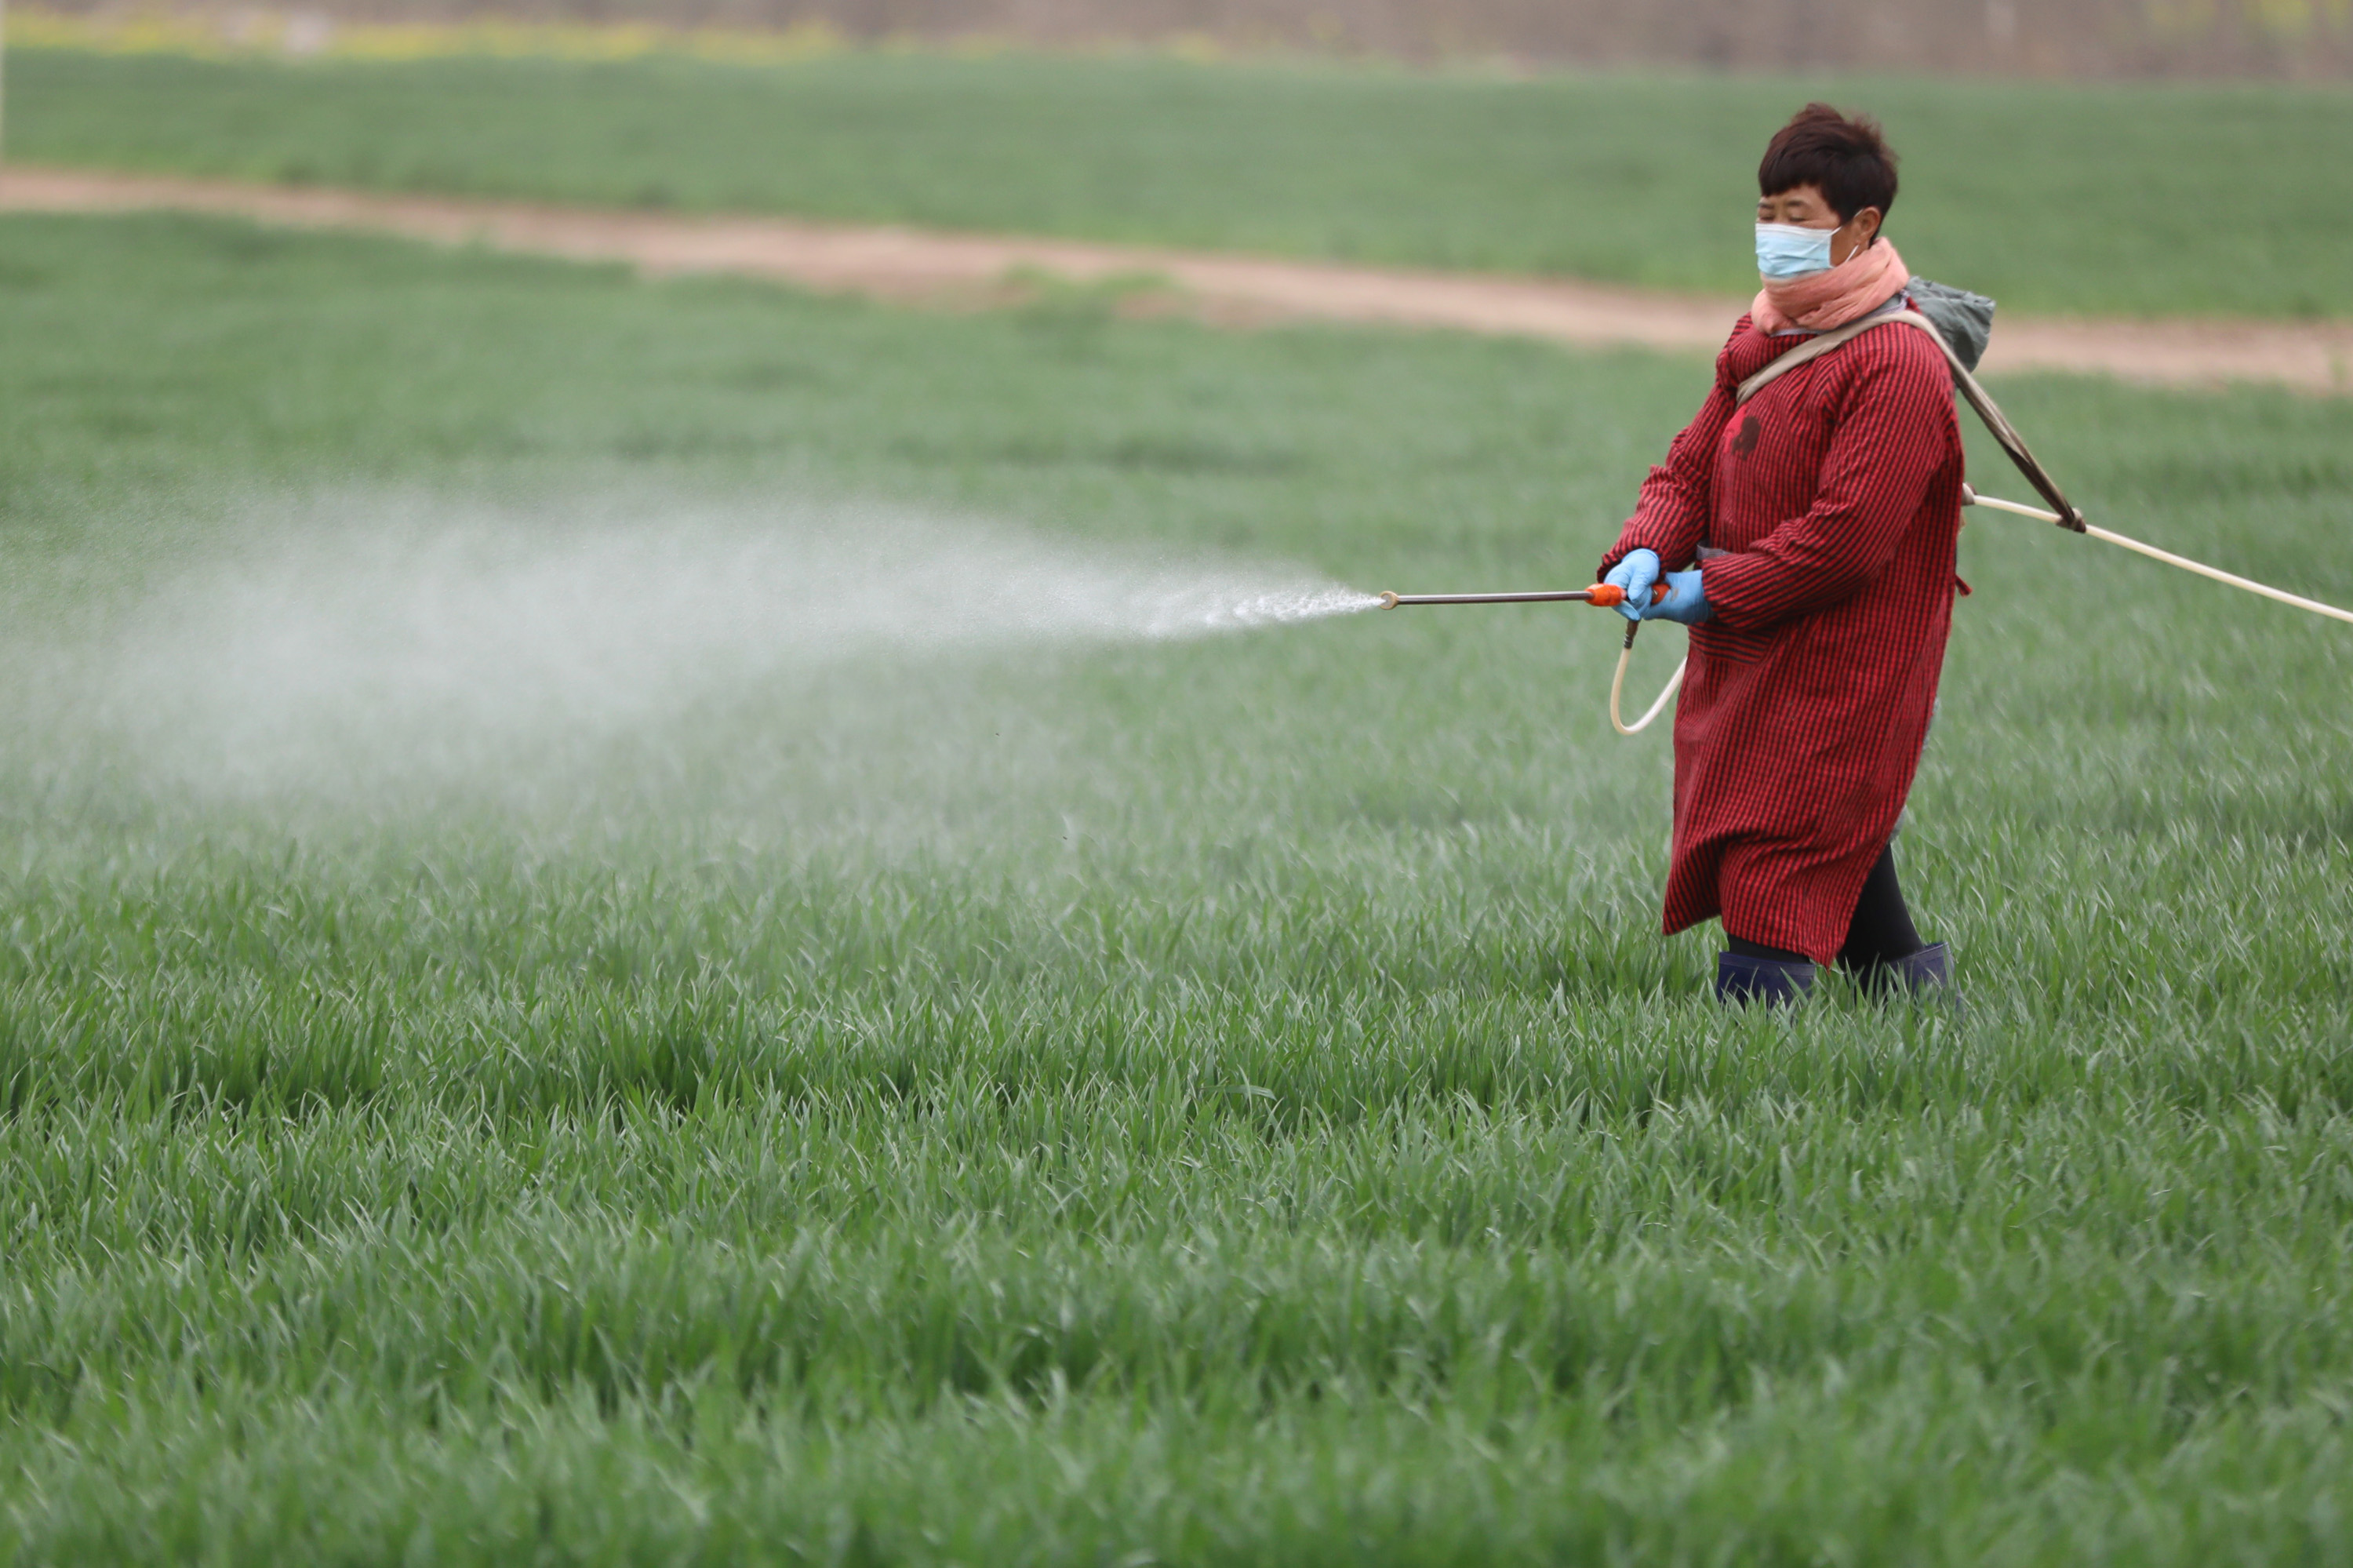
{"x": 1804, "y": 205}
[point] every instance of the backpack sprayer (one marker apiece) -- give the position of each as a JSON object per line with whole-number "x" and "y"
{"x": 1970, "y": 316}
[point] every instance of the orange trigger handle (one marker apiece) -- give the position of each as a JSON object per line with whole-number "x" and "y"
{"x": 1608, "y": 595}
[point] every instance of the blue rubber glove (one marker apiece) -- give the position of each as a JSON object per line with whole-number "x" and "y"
{"x": 1635, "y": 574}
{"x": 1686, "y": 600}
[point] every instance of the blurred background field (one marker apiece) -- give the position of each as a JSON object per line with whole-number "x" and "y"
{"x": 2079, "y": 39}
{"x": 521, "y": 1034}
{"x": 2218, "y": 198}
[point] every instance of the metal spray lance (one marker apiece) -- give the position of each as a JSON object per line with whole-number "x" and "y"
{"x": 1602, "y": 596}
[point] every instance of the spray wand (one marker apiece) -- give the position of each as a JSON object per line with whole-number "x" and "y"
{"x": 1601, "y": 596}
{"x": 1607, "y": 596}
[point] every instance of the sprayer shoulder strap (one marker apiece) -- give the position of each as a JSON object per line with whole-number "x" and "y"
{"x": 1816, "y": 346}
{"x": 1977, "y": 397}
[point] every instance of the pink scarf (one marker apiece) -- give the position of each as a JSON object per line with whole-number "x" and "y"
{"x": 1821, "y": 301}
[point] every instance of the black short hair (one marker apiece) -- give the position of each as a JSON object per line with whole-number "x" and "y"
{"x": 1845, "y": 158}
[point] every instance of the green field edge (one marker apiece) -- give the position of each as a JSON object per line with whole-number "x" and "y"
{"x": 1476, "y": 174}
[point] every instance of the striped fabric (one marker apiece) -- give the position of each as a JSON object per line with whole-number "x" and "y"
{"x": 1836, "y": 492}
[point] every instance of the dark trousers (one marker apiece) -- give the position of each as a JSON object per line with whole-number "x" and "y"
{"x": 1880, "y": 933}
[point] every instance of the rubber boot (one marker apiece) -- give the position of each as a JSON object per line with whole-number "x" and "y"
{"x": 1775, "y": 983}
{"x": 1926, "y": 975}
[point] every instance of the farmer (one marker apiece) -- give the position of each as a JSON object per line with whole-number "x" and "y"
{"x": 1807, "y": 539}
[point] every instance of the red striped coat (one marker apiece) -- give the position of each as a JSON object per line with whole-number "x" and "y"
{"x": 1836, "y": 491}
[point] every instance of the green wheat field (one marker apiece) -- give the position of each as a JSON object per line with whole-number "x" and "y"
{"x": 626, "y": 942}
{"x": 2102, "y": 199}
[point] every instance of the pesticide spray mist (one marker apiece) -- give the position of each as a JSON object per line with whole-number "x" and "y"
{"x": 418, "y": 641}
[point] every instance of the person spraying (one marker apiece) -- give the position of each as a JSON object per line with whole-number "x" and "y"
{"x": 1806, "y": 535}
{"x": 1804, "y": 526}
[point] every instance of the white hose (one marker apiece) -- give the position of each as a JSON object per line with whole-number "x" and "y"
{"x": 1971, "y": 498}
{"x": 1618, "y": 687}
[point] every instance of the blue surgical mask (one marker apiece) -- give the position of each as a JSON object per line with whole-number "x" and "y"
{"x": 1786, "y": 250}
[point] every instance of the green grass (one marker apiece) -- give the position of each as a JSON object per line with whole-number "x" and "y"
{"x": 1208, "y": 1102}
{"x": 2052, "y": 197}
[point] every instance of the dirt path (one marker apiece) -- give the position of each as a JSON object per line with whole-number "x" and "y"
{"x": 911, "y": 263}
